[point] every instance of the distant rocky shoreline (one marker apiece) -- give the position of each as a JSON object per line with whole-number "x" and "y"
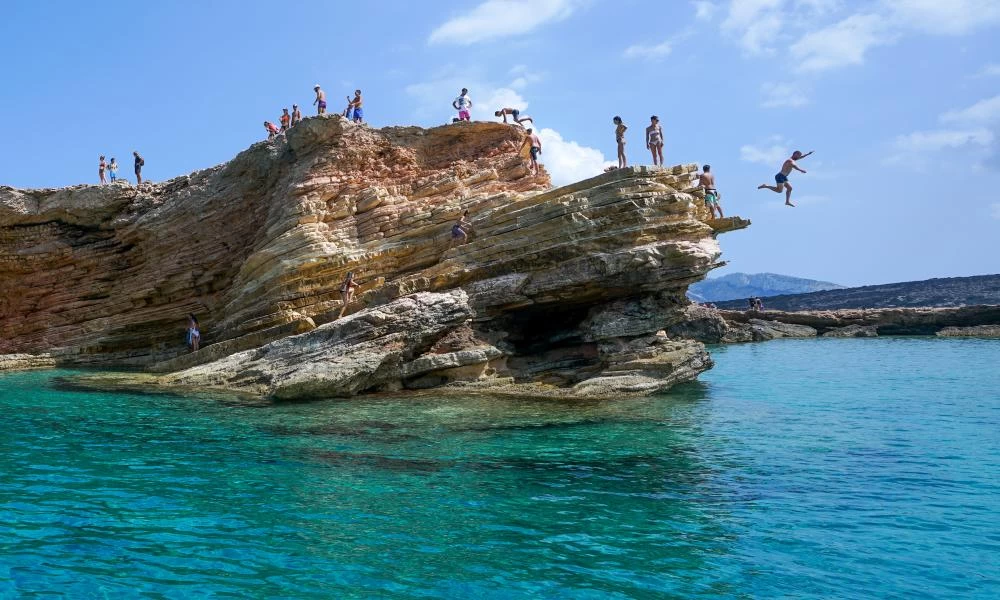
{"x": 714, "y": 326}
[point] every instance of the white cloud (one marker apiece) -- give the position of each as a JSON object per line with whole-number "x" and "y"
{"x": 495, "y": 19}
{"x": 841, "y": 44}
{"x": 703, "y": 10}
{"x": 567, "y": 161}
{"x": 656, "y": 52}
{"x": 783, "y": 95}
{"x": 953, "y": 17}
{"x": 772, "y": 154}
{"x": 755, "y": 21}
{"x": 990, "y": 70}
{"x": 984, "y": 111}
{"x": 929, "y": 141}
{"x": 995, "y": 210}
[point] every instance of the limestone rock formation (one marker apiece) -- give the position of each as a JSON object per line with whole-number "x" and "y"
{"x": 566, "y": 290}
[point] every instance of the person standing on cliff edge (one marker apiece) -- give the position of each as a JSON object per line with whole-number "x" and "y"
{"x": 100, "y": 170}
{"x": 463, "y": 104}
{"x": 536, "y": 149}
{"x": 355, "y": 110}
{"x": 285, "y": 120}
{"x": 620, "y": 129}
{"x": 781, "y": 178}
{"x": 296, "y": 115}
{"x": 706, "y": 181}
{"x": 139, "y": 164}
{"x": 320, "y": 101}
{"x": 654, "y": 140}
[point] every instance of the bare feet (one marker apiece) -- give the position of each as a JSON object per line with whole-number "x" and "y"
{"x": 789, "y": 203}
{"x": 761, "y": 186}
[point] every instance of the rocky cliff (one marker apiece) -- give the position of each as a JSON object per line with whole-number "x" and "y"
{"x": 562, "y": 290}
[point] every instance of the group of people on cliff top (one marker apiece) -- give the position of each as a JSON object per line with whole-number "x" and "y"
{"x": 654, "y": 143}
{"x": 112, "y": 169}
{"x": 354, "y": 111}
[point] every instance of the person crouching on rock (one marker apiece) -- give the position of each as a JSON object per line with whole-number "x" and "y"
{"x": 515, "y": 114}
{"x": 272, "y": 129}
{"x": 347, "y": 291}
{"x": 460, "y": 231}
{"x": 193, "y": 334}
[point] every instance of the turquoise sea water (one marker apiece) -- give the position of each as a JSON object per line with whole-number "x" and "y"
{"x": 800, "y": 469}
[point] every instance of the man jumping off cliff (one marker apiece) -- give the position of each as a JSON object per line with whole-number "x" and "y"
{"x": 320, "y": 101}
{"x": 706, "y": 181}
{"x": 536, "y": 149}
{"x": 515, "y": 114}
{"x": 781, "y": 179}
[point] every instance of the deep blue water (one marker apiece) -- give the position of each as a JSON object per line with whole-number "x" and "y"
{"x": 799, "y": 469}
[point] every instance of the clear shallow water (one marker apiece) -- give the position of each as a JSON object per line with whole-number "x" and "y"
{"x": 806, "y": 469}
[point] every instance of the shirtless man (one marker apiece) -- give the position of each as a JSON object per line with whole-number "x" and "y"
{"x": 354, "y": 110}
{"x": 320, "y": 101}
{"x": 296, "y": 115}
{"x": 706, "y": 181}
{"x": 654, "y": 139}
{"x": 536, "y": 149}
{"x": 139, "y": 164}
{"x": 781, "y": 179}
{"x": 515, "y": 114}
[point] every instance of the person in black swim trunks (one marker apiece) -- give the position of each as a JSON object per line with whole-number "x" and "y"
{"x": 781, "y": 179}
{"x": 516, "y": 114}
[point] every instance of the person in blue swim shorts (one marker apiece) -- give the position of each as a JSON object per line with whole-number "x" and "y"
{"x": 354, "y": 108}
{"x": 781, "y": 179}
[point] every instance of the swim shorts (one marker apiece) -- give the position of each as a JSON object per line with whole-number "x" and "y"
{"x": 456, "y": 231}
{"x": 780, "y": 178}
{"x": 515, "y": 113}
{"x": 463, "y": 115}
{"x": 711, "y": 199}
{"x": 322, "y": 104}
{"x": 534, "y": 152}
{"x": 359, "y": 114}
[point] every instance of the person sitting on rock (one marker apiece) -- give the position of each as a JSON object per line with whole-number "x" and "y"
{"x": 286, "y": 120}
{"x": 320, "y": 101}
{"x": 706, "y": 181}
{"x": 460, "y": 231}
{"x": 514, "y": 113}
{"x": 272, "y": 129}
{"x": 113, "y": 170}
{"x": 296, "y": 115}
{"x": 347, "y": 291}
{"x": 536, "y": 149}
{"x": 463, "y": 104}
{"x": 193, "y": 334}
{"x": 354, "y": 108}
{"x": 781, "y": 178}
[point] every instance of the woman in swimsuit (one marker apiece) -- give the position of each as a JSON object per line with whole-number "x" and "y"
{"x": 100, "y": 170}
{"x": 347, "y": 291}
{"x": 458, "y": 230}
{"x": 193, "y": 334}
{"x": 620, "y": 138}
{"x": 654, "y": 140}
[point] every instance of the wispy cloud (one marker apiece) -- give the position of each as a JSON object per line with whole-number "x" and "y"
{"x": 772, "y": 152}
{"x": 841, "y": 44}
{"x": 990, "y": 70}
{"x": 939, "y": 139}
{"x": 495, "y": 19}
{"x": 954, "y": 17}
{"x": 984, "y": 111}
{"x": 782, "y": 95}
{"x": 567, "y": 161}
{"x": 649, "y": 52}
{"x": 703, "y": 10}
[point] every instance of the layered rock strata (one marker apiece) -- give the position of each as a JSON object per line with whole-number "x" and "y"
{"x": 565, "y": 291}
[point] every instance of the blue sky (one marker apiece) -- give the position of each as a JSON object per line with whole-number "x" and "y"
{"x": 900, "y": 99}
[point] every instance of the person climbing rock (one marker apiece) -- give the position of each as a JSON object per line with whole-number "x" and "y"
{"x": 515, "y": 114}
{"x": 193, "y": 333}
{"x": 620, "y": 129}
{"x": 286, "y": 120}
{"x": 113, "y": 170}
{"x": 654, "y": 140}
{"x": 272, "y": 129}
{"x": 781, "y": 178}
{"x": 296, "y": 115}
{"x": 535, "y": 149}
{"x": 355, "y": 112}
{"x": 139, "y": 164}
{"x": 463, "y": 104}
{"x": 460, "y": 231}
{"x": 706, "y": 181}
{"x": 320, "y": 101}
{"x": 100, "y": 170}
{"x": 347, "y": 291}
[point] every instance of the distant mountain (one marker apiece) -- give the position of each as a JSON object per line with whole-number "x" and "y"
{"x": 951, "y": 291}
{"x": 740, "y": 286}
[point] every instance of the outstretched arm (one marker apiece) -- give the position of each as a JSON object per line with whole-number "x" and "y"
{"x": 806, "y": 154}
{"x": 797, "y": 168}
